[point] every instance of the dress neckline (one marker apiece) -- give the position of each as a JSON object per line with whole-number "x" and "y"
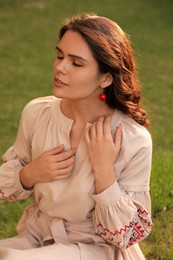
{"x": 67, "y": 122}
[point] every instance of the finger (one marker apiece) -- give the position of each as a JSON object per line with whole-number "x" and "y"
{"x": 93, "y": 132}
{"x": 64, "y": 155}
{"x": 63, "y": 176}
{"x": 64, "y": 164}
{"x": 99, "y": 127}
{"x": 63, "y": 172}
{"x": 56, "y": 150}
{"x": 87, "y": 135}
{"x": 107, "y": 126}
{"x": 118, "y": 136}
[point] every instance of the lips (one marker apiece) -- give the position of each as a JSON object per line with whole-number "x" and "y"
{"x": 59, "y": 83}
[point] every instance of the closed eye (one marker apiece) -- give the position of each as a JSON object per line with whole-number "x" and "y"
{"x": 77, "y": 64}
{"x": 75, "y": 59}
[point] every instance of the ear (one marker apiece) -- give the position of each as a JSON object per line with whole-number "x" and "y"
{"x": 106, "y": 80}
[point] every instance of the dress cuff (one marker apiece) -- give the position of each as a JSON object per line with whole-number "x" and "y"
{"x": 108, "y": 196}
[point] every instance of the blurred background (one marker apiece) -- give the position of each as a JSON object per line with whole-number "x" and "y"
{"x": 28, "y": 36}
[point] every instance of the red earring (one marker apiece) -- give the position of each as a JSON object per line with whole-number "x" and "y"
{"x": 102, "y": 96}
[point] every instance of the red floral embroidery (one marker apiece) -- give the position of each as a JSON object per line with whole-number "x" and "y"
{"x": 137, "y": 231}
{"x": 9, "y": 198}
{"x": 136, "y": 235}
{"x": 140, "y": 213}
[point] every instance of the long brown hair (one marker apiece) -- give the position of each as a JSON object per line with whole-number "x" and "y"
{"x": 113, "y": 52}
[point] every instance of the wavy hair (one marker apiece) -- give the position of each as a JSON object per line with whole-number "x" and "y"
{"x": 112, "y": 50}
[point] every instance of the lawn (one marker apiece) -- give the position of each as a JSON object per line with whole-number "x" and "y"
{"x": 28, "y": 32}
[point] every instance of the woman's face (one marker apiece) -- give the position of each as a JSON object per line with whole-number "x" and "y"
{"x": 76, "y": 74}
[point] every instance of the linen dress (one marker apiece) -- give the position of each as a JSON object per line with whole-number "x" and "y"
{"x": 68, "y": 219}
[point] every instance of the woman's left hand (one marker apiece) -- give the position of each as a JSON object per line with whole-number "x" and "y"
{"x": 103, "y": 150}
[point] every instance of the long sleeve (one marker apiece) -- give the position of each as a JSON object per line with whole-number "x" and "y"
{"x": 122, "y": 212}
{"x": 14, "y": 159}
{"x": 21, "y": 152}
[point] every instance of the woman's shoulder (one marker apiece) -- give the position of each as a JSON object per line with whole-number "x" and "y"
{"x": 38, "y": 108}
{"x": 39, "y": 103}
{"x": 136, "y": 139}
{"x": 133, "y": 132}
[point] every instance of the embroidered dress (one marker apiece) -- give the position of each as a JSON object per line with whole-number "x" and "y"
{"x": 69, "y": 220}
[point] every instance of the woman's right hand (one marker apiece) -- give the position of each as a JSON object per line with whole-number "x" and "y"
{"x": 53, "y": 165}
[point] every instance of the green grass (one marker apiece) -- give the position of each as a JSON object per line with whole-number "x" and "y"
{"x": 28, "y": 32}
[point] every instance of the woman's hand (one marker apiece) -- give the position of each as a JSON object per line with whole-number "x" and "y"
{"x": 103, "y": 151}
{"x": 53, "y": 165}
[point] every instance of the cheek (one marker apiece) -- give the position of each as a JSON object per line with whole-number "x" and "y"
{"x": 88, "y": 77}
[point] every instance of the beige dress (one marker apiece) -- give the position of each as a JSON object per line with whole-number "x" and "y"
{"x": 68, "y": 220}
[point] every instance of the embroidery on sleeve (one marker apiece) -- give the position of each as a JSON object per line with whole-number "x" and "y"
{"x": 8, "y": 198}
{"x": 133, "y": 233}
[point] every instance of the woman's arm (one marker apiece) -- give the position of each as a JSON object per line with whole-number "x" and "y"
{"x": 122, "y": 212}
{"x": 20, "y": 172}
{"x": 103, "y": 151}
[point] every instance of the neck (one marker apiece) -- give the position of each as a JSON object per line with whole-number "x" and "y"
{"x": 84, "y": 112}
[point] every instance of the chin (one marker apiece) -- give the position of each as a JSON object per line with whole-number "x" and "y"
{"x": 56, "y": 94}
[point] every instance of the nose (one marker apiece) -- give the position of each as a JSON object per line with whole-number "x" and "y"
{"x": 61, "y": 66}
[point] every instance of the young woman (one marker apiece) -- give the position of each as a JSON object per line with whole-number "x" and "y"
{"x": 83, "y": 153}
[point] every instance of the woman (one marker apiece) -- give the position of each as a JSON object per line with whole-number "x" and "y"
{"x": 83, "y": 153}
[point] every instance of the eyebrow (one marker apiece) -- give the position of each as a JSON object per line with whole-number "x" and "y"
{"x": 71, "y": 55}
